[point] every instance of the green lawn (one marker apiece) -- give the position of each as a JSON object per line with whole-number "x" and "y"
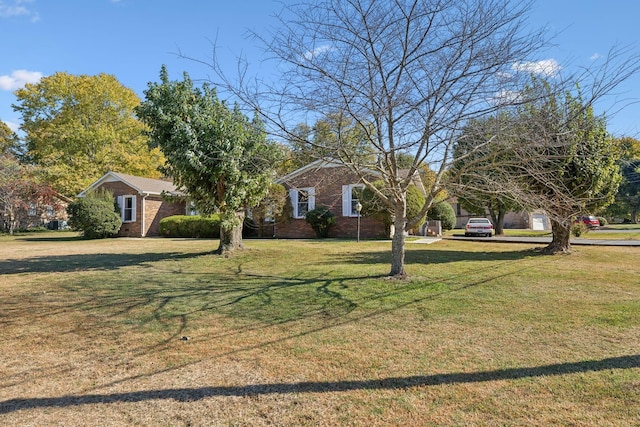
{"x": 161, "y": 332}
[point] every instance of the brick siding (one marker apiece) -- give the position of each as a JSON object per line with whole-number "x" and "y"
{"x": 153, "y": 208}
{"x": 328, "y": 183}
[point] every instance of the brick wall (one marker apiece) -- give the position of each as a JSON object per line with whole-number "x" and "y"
{"x": 153, "y": 209}
{"x": 156, "y": 209}
{"x": 328, "y": 183}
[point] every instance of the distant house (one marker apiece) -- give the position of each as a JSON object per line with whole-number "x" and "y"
{"x": 37, "y": 213}
{"x": 330, "y": 184}
{"x": 536, "y": 220}
{"x": 142, "y": 202}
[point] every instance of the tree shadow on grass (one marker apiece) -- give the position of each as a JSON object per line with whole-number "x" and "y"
{"x": 433, "y": 256}
{"x": 66, "y": 237}
{"x": 393, "y": 383}
{"x": 87, "y": 262}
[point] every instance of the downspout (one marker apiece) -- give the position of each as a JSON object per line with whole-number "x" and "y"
{"x": 143, "y": 232}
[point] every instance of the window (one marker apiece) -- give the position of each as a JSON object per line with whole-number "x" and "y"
{"x": 49, "y": 210}
{"x": 351, "y": 195}
{"x": 31, "y": 211}
{"x": 191, "y": 209}
{"x": 127, "y": 208}
{"x": 303, "y": 200}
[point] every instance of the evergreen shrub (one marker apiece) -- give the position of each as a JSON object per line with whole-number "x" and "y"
{"x": 96, "y": 215}
{"x": 194, "y": 226}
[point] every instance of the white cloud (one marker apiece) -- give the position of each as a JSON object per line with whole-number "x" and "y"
{"x": 546, "y": 67}
{"x": 595, "y": 56}
{"x": 310, "y": 54}
{"x": 11, "y": 8}
{"x": 13, "y": 126}
{"x": 506, "y": 97}
{"x": 18, "y": 78}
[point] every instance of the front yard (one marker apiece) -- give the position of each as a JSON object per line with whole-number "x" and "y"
{"x": 290, "y": 333}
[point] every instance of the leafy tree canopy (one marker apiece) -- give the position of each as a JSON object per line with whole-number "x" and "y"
{"x": 566, "y": 161}
{"x": 220, "y": 157}
{"x": 336, "y": 136}
{"x": 80, "y": 127}
{"x": 9, "y": 143}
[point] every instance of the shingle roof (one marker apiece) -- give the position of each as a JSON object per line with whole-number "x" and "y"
{"x": 147, "y": 185}
{"x": 140, "y": 184}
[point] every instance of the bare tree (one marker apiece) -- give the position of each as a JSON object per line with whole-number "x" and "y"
{"x": 409, "y": 72}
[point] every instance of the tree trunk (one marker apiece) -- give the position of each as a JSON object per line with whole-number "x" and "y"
{"x": 12, "y": 223}
{"x": 498, "y": 220}
{"x": 561, "y": 238}
{"x": 231, "y": 239}
{"x": 397, "y": 244}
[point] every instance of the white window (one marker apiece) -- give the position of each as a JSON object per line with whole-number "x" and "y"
{"x": 191, "y": 209}
{"x": 31, "y": 211}
{"x": 127, "y": 208}
{"x": 49, "y": 210}
{"x": 303, "y": 200}
{"x": 351, "y": 195}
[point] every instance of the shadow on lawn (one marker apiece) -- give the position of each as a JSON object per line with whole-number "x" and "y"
{"x": 86, "y": 262}
{"x": 422, "y": 255}
{"x": 397, "y": 383}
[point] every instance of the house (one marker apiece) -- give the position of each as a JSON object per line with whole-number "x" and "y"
{"x": 536, "y": 220}
{"x": 50, "y": 213}
{"x": 330, "y": 184}
{"x": 142, "y": 202}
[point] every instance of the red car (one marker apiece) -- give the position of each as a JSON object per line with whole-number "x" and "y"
{"x": 588, "y": 220}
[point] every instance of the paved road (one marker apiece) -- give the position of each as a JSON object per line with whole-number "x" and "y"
{"x": 544, "y": 240}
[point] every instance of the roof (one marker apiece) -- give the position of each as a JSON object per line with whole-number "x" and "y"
{"x": 316, "y": 165}
{"x": 324, "y": 163}
{"x": 141, "y": 184}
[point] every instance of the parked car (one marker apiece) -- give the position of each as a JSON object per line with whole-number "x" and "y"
{"x": 478, "y": 227}
{"x": 588, "y": 220}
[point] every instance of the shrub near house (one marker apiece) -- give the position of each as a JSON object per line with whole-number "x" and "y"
{"x": 95, "y": 215}
{"x": 142, "y": 202}
{"x": 190, "y": 226}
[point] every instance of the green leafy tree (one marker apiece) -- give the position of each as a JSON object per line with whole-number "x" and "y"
{"x": 334, "y": 137}
{"x": 9, "y": 142}
{"x": 627, "y": 201}
{"x": 375, "y": 207}
{"x": 216, "y": 154}
{"x": 80, "y": 127}
{"x": 628, "y": 196}
{"x": 444, "y": 213}
{"x": 567, "y": 162}
{"x": 96, "y": 215}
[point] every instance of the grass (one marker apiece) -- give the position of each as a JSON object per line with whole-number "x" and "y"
{"x": 313, "y": 333}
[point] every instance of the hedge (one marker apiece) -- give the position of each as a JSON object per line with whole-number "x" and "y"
{"x": 190, "y": 226}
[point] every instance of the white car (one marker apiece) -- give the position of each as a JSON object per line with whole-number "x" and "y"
{"x": 478, "y": 227}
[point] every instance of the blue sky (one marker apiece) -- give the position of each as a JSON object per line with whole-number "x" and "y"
{"x": 131, "y": 39}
